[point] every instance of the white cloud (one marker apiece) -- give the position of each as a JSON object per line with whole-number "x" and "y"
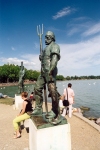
{"x": 73, "y": 31}
{"x": 79, "y": 56}
{"x": 86, "y": 28}
{"x": 29, "y": 61}
{"x": 76, "y": 59}
{"x": 92, "y": 30}
{"x": 80, "y": 19}
{"x": 65, "y": 11}
{"x": 77, "y": 27}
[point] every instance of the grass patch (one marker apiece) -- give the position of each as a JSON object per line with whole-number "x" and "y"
{"x": 7, "y": 101}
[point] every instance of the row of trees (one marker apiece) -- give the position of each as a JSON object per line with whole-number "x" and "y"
{"x": 82, "y": 77}
{"x": 61, "y": 78}
{"x": 10, "y": 73}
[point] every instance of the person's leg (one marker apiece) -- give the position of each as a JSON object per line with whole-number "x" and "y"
{"x": 61, "y": 106}
{"x": 64, "y": 111}
{"x": 16, "y": 122}
{"x": 61, "y": 103}
{"x": 70, "y": 110}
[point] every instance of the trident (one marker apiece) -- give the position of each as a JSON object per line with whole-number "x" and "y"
{"x": 40, "y": 33}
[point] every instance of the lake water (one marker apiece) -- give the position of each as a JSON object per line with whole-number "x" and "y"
{"x": 87, "y": 93}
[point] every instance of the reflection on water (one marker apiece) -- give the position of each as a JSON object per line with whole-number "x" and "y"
{"x": 87, "y": 93}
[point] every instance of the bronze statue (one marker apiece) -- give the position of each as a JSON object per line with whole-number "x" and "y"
{"x": 49, "y": 58}
{"x": 21, "y": 79}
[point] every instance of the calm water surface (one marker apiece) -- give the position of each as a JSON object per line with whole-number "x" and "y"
{"x": 87, "y": 93}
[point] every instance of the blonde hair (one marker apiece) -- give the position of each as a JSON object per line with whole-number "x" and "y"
{"x": 24, "y": 94}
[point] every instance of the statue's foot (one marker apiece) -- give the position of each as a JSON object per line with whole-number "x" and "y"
{"x": 37, "y": 111}
{"x": 56, "y": 121}
{"x": 50, "y": 115}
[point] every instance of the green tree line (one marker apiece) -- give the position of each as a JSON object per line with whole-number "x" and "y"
{"x": 10, "y": 73}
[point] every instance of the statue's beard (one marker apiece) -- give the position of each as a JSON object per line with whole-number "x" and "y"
{"x": 46, "y": 43}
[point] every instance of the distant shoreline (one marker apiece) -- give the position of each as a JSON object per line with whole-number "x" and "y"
{"x": 33, "y": 82}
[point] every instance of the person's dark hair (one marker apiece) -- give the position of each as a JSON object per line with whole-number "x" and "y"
{"x": 24, "y": 94}
{"x": 32, "y": 93}
{"x": 69, "y": 85}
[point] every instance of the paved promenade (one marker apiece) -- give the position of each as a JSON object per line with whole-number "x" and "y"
{"x": 83, "y": 135}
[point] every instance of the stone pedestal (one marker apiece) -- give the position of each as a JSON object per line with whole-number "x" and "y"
{"x": 51, "y": 138}
{"x": 18, "y": 101}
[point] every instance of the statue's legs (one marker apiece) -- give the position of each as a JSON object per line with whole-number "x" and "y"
{"x": 19, "y": 90}
{"x": 38, "y": 95}
{"x": 54, "y": 95}
{"x": 55, "y": 102}
{"x": 21, "y": 87}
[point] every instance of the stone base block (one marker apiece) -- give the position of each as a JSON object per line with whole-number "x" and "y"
{"x": 51, "y": 138}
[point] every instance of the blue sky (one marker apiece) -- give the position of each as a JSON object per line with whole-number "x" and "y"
{"x": 75, "y": 23}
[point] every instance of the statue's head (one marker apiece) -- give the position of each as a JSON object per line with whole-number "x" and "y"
{"x": 49, "y": 37}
